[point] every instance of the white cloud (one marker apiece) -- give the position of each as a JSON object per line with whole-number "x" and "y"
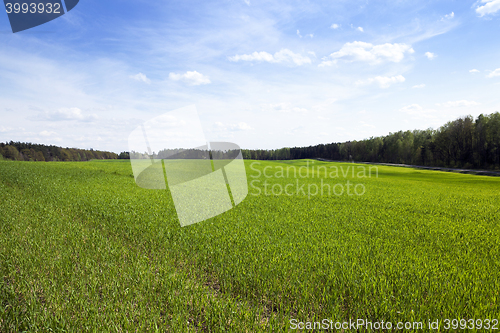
{"x": 286, "y": 55}
{"x": 308, "y": 35}
{"x": 383, "y": 81}
{"x": 496, "y": 72}
{"x": 360, "y": 29}
{"x": 361, "y": 51}
{"x": 490, "y": 7}
{"x": 325, "y": 105}
{"x": 256, "y": 56}
{"x": 461, "y": 103}
{"x": 193, "y": 78}
{"x": 282, "y": 107}
{"x": 430, "y": 55}
{"x": 141, "y": 77}
{"x": 241, "y": 126}
{"x": 283, "y": 56}
{"x": 66, "y": 114}
{"x": 365, "y": 124}
{"x": 247, "y": 2}
{"x": 325, "y": 62}
{"x": 418, "y": 112}
{"x": 473, "y": 71}
{"x": 47, "y": 133}
{"x": 448, "y": 16}
{"x": 418, "y": 86}
{"x": 335, "y": 26}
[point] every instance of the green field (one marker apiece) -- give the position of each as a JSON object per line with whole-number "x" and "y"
{"x": 83, "y": 248}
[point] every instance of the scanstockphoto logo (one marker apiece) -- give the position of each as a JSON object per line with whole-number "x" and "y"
{"x": 26, "y": 14}
{"x": 310, "y": 180}
{"x": 205, "y": 179}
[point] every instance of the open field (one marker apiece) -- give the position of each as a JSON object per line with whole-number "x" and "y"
{"x": 83, "y": 248}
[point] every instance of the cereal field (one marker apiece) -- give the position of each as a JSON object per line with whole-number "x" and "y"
{"x": 83, "y": 248}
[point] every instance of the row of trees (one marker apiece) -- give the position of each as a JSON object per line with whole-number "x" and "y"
{"x": 124, "y": 155}
{"x": 21, "y": 151}
{"x": 465, "y": 142}
{"x": 184, "y": 154}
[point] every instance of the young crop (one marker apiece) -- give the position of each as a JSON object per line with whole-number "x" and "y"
{"x": 82, "y": 247}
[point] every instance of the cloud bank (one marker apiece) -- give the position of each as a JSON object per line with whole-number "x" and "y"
{"x": 192, "y": 78}
{"x": 382, "y": 81}
{"x": 490, "y": 7}
{"x": 283, "y": 56}
{"x": 367, "y": 52}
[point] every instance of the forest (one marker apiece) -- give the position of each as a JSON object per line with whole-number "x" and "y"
{"x": 20, "y": 151}
{"x": 462, "y": 143}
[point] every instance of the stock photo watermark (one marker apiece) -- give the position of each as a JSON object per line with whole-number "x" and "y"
{"x": 356, "y": 325}
{"x": 28, "y": 14}
{"x": 204, "y": 178}
{"x": 310, "y": 180}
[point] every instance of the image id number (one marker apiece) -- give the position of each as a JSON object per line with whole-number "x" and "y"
{"x": 478, "y": 324}
{"x": 33, "y": 8}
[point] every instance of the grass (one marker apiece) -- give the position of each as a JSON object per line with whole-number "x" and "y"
{"x": 83, "y": 248}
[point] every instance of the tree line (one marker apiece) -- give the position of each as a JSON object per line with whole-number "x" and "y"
{"x": 463, "y": 143}
{"x": 23, "y": 151}
{"x": 189, "y": 154}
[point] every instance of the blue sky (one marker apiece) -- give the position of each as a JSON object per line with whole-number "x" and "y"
{"x": 262, "y": 74}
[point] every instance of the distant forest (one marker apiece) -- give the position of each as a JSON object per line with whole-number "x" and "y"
{"x": 20, "y": 151}
{"x": 462, "y": 143}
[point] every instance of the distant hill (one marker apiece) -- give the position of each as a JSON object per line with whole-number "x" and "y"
{"x": 23, "y": 151}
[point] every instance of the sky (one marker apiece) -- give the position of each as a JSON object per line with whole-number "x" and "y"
{"x": 262, "y": 74}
